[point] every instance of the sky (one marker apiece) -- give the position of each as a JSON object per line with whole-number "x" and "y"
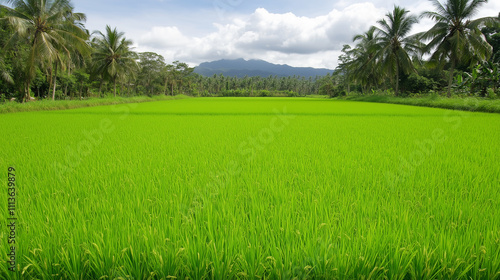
{"x": 300, "y": 33}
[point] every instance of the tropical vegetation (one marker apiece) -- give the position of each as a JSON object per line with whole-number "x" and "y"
{"x": 455, "y": 41}
{"x": 46, "y": 52}
{"x": 112, "y": 58}
{"x": 47, "y": 36}
{"x": 456, "y": 38}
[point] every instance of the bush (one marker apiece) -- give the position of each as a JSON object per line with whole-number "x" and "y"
{"x": 257, "y": 93}
{"x": 332, "y": 90}
{"x": 417, "y": 84}
{"x": 327, "y": 89}
{"x": 263, "y": 93}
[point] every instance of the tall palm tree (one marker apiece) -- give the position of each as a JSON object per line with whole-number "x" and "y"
{"x": 52, "y": 30}
{"x": 345, "y": 66}
{"x": 364, "y": 62}
{"x": 395, "y": 44}
{"x": 113, "y": 57}
{"x": 456, "y": 38}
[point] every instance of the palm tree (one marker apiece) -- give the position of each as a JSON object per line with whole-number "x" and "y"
{"x": 364, "y": 62}
{"x": 113, "y": 57}
{"x": 456, "y": 38}
{"x": 53, "y": 31}
{"x": 395, "y": 46}
{"x": 344, "y": 66}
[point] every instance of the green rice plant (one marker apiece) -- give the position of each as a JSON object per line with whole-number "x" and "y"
{"x": 253, "y": 188}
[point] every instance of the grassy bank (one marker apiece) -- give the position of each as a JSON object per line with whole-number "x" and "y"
{"x": 464, "y": 104}
{"x": 457, "y": 103}
{"x": 47, "y": 105}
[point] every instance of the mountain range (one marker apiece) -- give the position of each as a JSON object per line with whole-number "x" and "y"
{"x": 251, "y": 68}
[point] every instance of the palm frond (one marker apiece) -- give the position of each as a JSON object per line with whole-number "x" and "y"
{"x": 473, "y": 8}
{"x": 485, "y": 21}
{"x": 4, "y": 74}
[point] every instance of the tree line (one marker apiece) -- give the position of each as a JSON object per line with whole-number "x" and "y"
{"x": 46, "y": 52}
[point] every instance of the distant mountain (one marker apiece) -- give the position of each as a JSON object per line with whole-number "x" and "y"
{"x": 241, "y": 68}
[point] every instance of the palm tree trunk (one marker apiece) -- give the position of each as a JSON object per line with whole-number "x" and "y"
{"x": 166, "y": 87}
{"x": 28, "y": 90}
{"x": 55, "y": 84}
{"x": 396, "y": 93}
{"x": 67, "y": 84}
{"x": 49, "y": 81}
{"x": 450, "y": 76}
{"x": 80, "y": 91}
{"x": 348, "y": 84}
{"x": 114, "y": 82}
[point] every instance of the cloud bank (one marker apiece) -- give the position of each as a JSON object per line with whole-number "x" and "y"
{"x": 278, "y": 38}
{"x": 282, "y": 38}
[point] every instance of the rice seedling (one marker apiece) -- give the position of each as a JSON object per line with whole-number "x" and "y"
{"x": 247, "y": 188}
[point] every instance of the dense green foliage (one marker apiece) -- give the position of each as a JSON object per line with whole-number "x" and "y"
{"x": 492, "y": 34}
{"x": 456, "y": 41}
{"x": 47, "y": 35}
{"x": 276, "y": 188}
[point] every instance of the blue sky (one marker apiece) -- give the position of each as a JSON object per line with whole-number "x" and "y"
{"x": 298, "y": 33}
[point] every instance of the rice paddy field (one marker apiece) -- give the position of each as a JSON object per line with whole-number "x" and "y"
{"x": 251, "y": 188}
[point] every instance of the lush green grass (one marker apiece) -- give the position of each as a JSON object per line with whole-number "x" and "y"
{"x": 274, "y": 188}
{"x": 44, "y": 105}
{"x": 456, "y": 103}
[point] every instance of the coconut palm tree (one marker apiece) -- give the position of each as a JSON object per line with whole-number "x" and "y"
{"x": 364, "y": 62}
{"x": 113, "y": 58}
{"x": 395, "y": 45}
{"x": 52, "y": 30}
{"x": 456, "y": 38}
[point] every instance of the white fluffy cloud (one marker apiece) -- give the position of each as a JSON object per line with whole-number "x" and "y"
{"x": 164, "y": 37}
{"x": 279, "y": 38}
